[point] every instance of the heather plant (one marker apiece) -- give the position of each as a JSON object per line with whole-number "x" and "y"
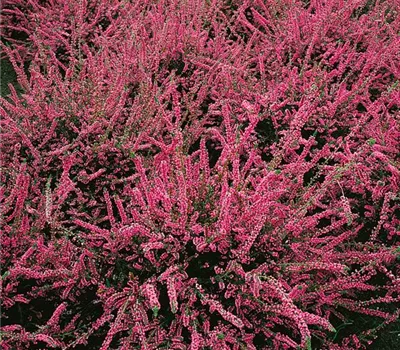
{"x": 200, "y": 174}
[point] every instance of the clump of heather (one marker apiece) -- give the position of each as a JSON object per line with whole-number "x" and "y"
{"x": 200, "y": 174}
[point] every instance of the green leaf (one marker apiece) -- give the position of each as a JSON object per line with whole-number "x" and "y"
{"x": 371, "y": 141}
{"x": 308, "y": 344}
{"x": 155, "y": 311}
{"x": 397, "y": 251}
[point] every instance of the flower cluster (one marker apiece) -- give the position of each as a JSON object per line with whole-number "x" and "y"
{"x": 199, "y": 174}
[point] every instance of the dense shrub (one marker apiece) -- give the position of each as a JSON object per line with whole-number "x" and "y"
{"x": 200, "y": 174}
